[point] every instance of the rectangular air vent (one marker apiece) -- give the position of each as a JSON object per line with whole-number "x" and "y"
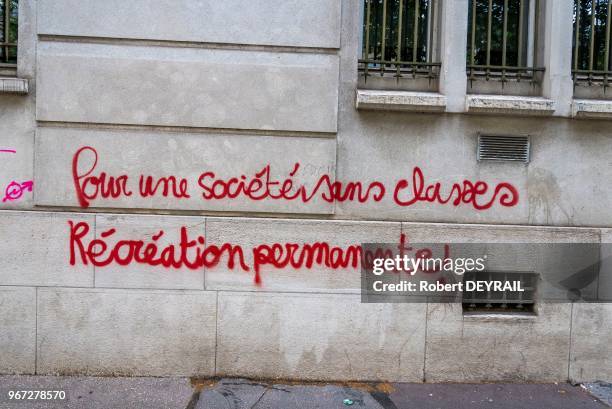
{"x": 501, "y": 301}
{"x": 498, "y": 147}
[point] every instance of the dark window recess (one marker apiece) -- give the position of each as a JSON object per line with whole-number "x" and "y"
{"x": 505, "y": 148}
{"x": 503, "y": 40}
{"x": 501, "y": 301}
{"x": 592, "y": 64}
{"x": 398, "y": 38}
{"x": 8, "y": 33}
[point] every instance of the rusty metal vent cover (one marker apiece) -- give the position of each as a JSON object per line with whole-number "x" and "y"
{"x": 499, "y": 147}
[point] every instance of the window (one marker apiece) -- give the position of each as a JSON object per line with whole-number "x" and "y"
{"x": 8, "y": 33}
{"x": 398, "y": 39}
{"x": 591, "y": 54}
{"x": 501, "y": 301}
{"x": 502, "y": 40}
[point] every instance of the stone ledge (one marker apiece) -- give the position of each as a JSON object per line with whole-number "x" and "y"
{"x": 591, "y": 109}
{"x": 400, "y": 101}
{"x": 504, "y": 317}
{"x": 512, "y": 105}
{"x": 14, "y": 86}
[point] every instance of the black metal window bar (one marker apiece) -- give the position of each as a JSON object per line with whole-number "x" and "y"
{"x": 503, "y": 40}
{"x": 501, "y": 301}
{"x": 8, "y": 33}
{"x": 398, "y": 39}
{"x": 591, "y": 56}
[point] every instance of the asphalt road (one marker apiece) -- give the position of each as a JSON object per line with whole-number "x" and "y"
{"x": 183, "y": 393}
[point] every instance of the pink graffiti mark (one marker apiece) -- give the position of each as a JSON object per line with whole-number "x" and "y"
{"x": 15, "y": 190}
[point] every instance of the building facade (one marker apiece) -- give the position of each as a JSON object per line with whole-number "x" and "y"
{"x": 147, "y": 121}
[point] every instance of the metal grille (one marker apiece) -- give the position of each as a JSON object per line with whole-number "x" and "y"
{"x": 591, "y": 64}
{"x": 503, "y": 40}
{"x": 8, "y": 33}
{"x": 397, "y": 39}
{"x": 499, "y": 147}
{"x": 501, "y": 301}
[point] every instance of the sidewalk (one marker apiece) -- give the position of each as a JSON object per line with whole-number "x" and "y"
{"x": 182, "y": 393}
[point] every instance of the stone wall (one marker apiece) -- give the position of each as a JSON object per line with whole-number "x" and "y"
{"x": 231, "y": 87}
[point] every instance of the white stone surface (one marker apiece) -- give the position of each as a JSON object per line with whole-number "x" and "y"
{"x": 400, "y": 101}
{"x": 565, "y": 184}
{"x": 27, "y": 38}
{"x": 17, "y": 128}
{"x": 17, "y": 330}
{"x": 188, "y": 87}
{"x": 472, "y": 350}
{"x": 259, "y": 22}
{"x": 591, "y": 109}
{"x": 453, "y": 46}
{"x": 250, "y": 233}
{"x": 387, "y": 146}
{"x": 184, "y": 155}
{"x": 605, "y": 275}
{"x": 591, "y": 354}
{"x": 319, "y": 337}
{"x": 259, "y": 87}
{"x": 543, "y": 250}
{"x": 464, "y": 233}
{"x": 512, "y": 105}
{"x": 35, "y": 250}
{"x": 17, "y": 114}
{"x": 557, "y": 83}
{"x": 568, "y": 175}
{"x": 126, "y": 332}
{"x": 143, "y": 228}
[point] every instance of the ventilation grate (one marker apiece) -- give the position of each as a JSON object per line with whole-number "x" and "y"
{"x": 501, "y": 301}
{"x": 497, "y": 147}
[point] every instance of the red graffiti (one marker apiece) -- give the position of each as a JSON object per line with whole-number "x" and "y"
{"x": 468, "y": 192}
{"x": 169, "y": 185}
{"x": 192, "y": 254}
{"x": 89, "y": 187}
{"x": 195, "y": 253}
{"x": 263, "y": 186}
{"x": 103, "y": 185}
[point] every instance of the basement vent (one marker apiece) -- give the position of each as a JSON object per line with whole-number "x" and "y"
{"x": 512, "y": 300}
{"x": 497, "y": 147}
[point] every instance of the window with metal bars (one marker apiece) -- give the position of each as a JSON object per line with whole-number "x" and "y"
{"x": 503, "y": 40}
{"x": 591, "y": 53}
{"x": 398, "y": 39}
{"x": 501, "y": 301}
{"x": 8, "y": 33}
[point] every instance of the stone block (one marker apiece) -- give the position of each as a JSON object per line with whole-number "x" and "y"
{"x": 497, "y": 349}
{"x": 35, "y": 250}
{"x": 319, "y": 337}
{"x": 187, "y": 87}
{"x": 144, "y": 227}
{"x": 182, "y": 155}
{"x": 259, "y": 22}
{"x": 250, "y": 233}
{"x": 18, "y": 334}
{"x": 126, "y": 332}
